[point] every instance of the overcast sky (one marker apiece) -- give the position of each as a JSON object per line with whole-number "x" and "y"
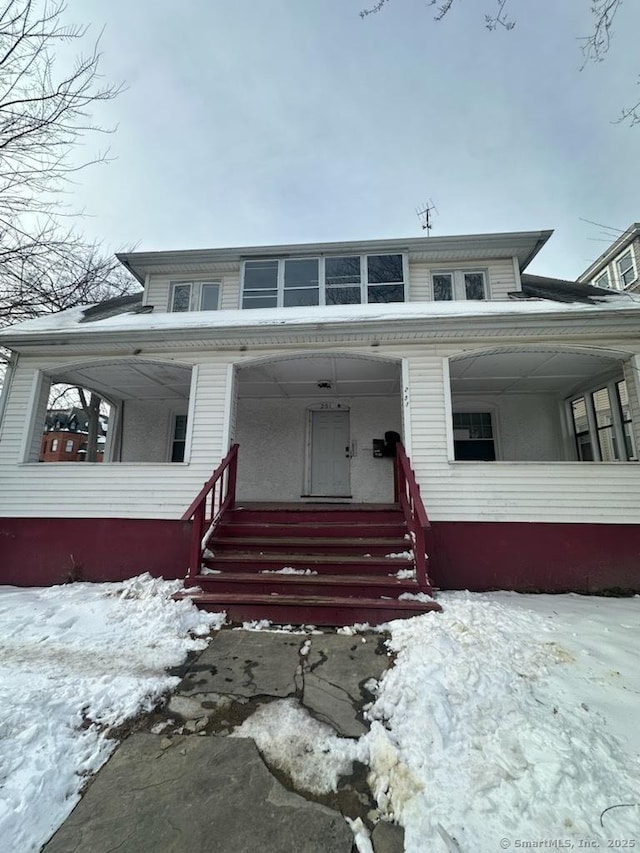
{"x": 248, "y": 122}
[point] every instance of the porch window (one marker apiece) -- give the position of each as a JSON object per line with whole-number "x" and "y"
{"x": 195, "y": 295}
{"x": 626, "y": 269}
{"x": 473, "y": 436}
{"x": 602, "y": 424}
{"x": 179, "y": 438}
{"x": 459, "y": 285}
{"x": 341, "y": 280}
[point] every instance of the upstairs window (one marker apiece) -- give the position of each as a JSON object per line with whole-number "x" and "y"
{"x": 195, "y": 296}
{"x": 385, "y": 279}
{"x": 260, "y": 284}
{"x": 626, "y": 269}
{"x": 459, "y": 285}
{"x": 341, "y": 280}
{"x": 603, "y": 280}
{"x": 301, "y": 282}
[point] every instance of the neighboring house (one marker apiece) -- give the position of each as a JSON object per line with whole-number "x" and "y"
{"x": 65, "y": 436}
{"x": 516, "y": 398}
{"x": 619, "y": 266}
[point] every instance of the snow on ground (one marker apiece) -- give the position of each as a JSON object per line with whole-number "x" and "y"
{"x": 507, "y": 721}
{"x": 498, "y": 723}
{"x": 75, "y": 660}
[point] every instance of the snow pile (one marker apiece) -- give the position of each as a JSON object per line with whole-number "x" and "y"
{"x": 480, "y": 733}
{"x": 309, "y": 751}
{"x": 88, "y": 656}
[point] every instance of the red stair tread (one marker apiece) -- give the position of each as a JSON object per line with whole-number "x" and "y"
{"x": 318, "y": 559}
{"x": 337, "y": 580}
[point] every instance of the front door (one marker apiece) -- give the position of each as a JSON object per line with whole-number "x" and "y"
{"x": 330, "y": 453}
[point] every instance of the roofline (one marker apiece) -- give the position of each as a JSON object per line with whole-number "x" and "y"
{"x": 223, "y": 337}
{"x": 614, "y": 249}
{"x": 135, "y": 260}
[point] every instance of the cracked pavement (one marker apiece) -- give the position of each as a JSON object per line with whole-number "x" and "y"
{"x": 180, "y": 785}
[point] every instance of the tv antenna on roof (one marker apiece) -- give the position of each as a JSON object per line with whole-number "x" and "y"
{"x": 424, "y": 214}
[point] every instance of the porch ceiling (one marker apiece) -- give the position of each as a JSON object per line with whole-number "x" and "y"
{"x": 543, "y": 371}
{"x": 133, "y": 380}
{"x": 308, "y": 376}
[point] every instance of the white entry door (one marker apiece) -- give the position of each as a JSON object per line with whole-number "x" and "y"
{"x": 330, "y": 453}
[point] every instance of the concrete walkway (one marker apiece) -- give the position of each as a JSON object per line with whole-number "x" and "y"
{"x": 189, "y": 789}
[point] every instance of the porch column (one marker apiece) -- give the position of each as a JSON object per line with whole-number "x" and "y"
{"x": 632, "y": 376}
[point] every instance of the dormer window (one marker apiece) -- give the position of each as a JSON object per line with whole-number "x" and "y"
{"x": 340, "y": 280}
{"x": 459, "y": 285}
{"x": 195, "y": 295}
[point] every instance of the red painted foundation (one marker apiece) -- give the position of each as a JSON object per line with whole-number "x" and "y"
{"x": 466, "y": 555}
{"x": 536, "y": 557}
{"x": 45, "y": 551}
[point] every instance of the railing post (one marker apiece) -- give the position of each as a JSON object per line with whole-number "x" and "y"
{"x": 195, "y": 553}
{"x": 233, "y": 476}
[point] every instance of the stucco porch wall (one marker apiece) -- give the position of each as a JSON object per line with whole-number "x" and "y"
{"x": 273, "y": 434}
{"x": 527, "y": 427}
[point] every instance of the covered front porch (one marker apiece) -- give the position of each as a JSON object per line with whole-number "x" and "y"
{"x": 317, "y": 427}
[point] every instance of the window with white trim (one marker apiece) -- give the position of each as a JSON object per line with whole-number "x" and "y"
{"x": 339, "y": 280}
{"x": 179, "y": 438}
{"x": 602, "y": 427}
{"x": 68, "y": 448}
{"x": 473, "y": 437}
{"x": 603, "y": 280}
{"x": 626, "y": 269}
{"x": 194, "y": 296}
{"x": 459, "y": 285}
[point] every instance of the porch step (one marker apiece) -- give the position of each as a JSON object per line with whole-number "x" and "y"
{"x": 310, "y": 610}
{"x": 312, "y": 544}
{"x": 300, "y": 526}
{"x": 316, "y": 514}
{"x": 241, "y": 561}
{"x": 346, "y": 586}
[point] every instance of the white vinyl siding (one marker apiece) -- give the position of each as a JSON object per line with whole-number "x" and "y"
{"x": 507, "y": 491}
{"x": 159, "y": 289}
{"x": 453, "y": 491}
{"x": 118, "y": 490}
{"x": 500, "y": 278}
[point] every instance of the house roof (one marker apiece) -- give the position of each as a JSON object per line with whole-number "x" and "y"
{"x": 560, "y": 290}
{"x": 394, "y": 320}
{"x": 524, "y": 245}
{"x": 609, "y": 254}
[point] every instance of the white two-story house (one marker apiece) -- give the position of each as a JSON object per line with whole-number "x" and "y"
{"x": 514, "y": 399}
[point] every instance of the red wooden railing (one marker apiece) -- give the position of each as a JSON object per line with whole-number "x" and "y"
{"x": 217, "y": 495}
{"x": 410, "y": 500}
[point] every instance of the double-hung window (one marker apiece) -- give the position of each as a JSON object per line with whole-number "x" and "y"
{"x": 626, "y": 270}
{"x": 603, "y": 280}
{"x": 459, "y": 285}
{"x": 339, "y": 280}
{"x": 195, "y": 295}
{"x": 602, "y": 426}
